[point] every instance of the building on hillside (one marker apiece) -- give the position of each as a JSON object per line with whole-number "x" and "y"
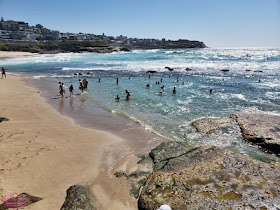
{"x": 34, "y": 29}
{"x": 5, "y": 34}
{"x": 23, "y": 26}
{"x": 56, "y": 35}
{"x": 63, "y": 36}
{"x": 45, "y": 31}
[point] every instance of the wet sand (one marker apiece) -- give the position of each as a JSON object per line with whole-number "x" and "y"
{"x": 44, "y": 152}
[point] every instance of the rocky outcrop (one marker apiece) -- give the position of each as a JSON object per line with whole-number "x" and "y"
{"x": 207, "y": 125}
{"x": 79, "y": 197}
{"x": 18, "y": 202}
{"x": 261, "y": 129}
{"x": 209, "y": 178}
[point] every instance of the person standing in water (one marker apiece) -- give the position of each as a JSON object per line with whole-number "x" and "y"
{"x": 127, "y": 95}
{"x": 174, "y": 90}
{"x": 81, "y": 87}
{"x": 4, "y": 72}
{"x": 117, "y": 81}
{"x": 71, "y": 90}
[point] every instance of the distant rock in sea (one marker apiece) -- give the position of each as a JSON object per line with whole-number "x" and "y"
{"x": 168, "y": 68}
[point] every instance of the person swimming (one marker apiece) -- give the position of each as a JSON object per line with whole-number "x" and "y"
{"x": 174, "y": 90}
{"x": 147, "y": 85}
{"x": 210, "y": 91}
{"x": 117, "y": 98}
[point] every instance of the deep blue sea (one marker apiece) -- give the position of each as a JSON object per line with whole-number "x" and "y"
{"x": 257, "y": 90}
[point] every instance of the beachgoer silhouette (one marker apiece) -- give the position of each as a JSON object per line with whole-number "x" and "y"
{"x": 60, "y": 89}
{"x": 117, "y": 98}
{"x": 81, "y": 87}
{"x": 99, "y": 80}
{"x": 210, "y": 91}
{"x": 85, "y": 83}
{"x": 4, "y": 72}
{"x": 148, "y": 85}
{"x": 71, "y": 90}
{"x": 117, "y": 81}
{"x": 127, "y": 94}
{"x": 174, "y": 90}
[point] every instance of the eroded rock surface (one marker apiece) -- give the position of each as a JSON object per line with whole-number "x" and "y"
{"x": 210, "y": 178}
{"x": 207, "y": 125}
{"x": 18, "y": 202}
{"x": 261, "y": 129}
{"x": 79, "y": 197}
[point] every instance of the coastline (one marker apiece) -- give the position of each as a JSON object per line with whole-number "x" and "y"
{"x": 10, "y": 55}
{"x": 44, "y": 153}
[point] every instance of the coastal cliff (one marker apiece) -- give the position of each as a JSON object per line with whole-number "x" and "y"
{"x": 50, "y": 47}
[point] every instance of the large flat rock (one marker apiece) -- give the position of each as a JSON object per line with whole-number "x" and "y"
{"x": 261, "y": 129}
{"x": 212, "y": 178}
{"x": 207, "y": 125}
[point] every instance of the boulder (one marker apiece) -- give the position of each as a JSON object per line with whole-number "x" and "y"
{"x": 79, "y": 197}
{"x": 261, "y": 129}
{"x": 209, "y": 177}
{"x": 207, "y": 125}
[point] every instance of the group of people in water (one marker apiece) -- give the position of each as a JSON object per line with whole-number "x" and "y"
{"x": 83, "y": 84}
{"x": 62, "y": 88}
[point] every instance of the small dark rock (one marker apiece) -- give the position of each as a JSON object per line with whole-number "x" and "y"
{"x": 3, "y": 119}
{"x": 151, "y": 71}
{"x": 170, "y": 69}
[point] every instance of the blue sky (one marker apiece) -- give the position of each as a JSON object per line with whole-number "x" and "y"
{"x": 218, "y": 23}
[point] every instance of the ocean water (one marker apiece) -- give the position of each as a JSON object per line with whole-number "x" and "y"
{"x": 171, "y": 114}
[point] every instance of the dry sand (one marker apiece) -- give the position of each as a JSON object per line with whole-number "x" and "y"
{"x": 9, "y": 55}
{"x": 43, "y": 153}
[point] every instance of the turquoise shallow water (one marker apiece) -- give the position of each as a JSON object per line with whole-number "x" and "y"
{"x": 168, "y": 114}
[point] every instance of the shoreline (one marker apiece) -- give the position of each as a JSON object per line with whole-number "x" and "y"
{"x": 4, "y": 55}
{"x": 45, "y": 152}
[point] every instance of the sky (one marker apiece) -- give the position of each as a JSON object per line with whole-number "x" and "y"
{"x": 218, "y": 23}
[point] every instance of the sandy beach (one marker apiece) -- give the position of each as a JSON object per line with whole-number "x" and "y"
{"x": 8, "y": 55}
{"x": 43, "y": 153}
